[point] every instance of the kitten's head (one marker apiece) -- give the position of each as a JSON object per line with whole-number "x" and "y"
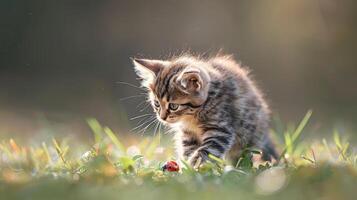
{"x": 176, "y": 88}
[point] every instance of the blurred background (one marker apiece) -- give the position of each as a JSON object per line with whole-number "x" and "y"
{"x": 61, "y": 61}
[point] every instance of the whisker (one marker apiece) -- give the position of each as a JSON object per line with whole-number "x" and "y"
{"x": 159, "y": 128}
{"x": 130, "y": 97}
{"x": 156, "y": 127}
{"x": 149, "y": 120}
{"x": 163, "y": 127}
{"x": 169, "y": 130}
{"x": 142, "y": 131}
{"x": 140, "y": 116}
{"x": 144, "y": 119}
{"x": 148, "y": 105}
{"x": 146, "y": 127}
{"x": 130, "y": 84}
{"x": 145, "y": 103}
{"x": 160, "y": 132}
{"x": 141, "y": 103}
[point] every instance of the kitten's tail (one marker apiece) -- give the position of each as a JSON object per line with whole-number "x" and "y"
{"x": 268, "y": 149}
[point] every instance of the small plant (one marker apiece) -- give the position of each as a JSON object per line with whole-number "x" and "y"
{"x": 110, "y": 169}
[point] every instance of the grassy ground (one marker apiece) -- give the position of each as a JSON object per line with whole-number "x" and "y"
{"x": 109, "y": 169}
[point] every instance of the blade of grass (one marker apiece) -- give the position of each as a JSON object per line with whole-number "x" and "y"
{"x": 96, "y": 128}
{"x": 114, "y": 139}
{"x": 289, "y": 140}
{"x": 15, "y": 148}
{"x": 301, "y": 126}
{"x": 45, "y": 149}
{"x": 60, "y": 153}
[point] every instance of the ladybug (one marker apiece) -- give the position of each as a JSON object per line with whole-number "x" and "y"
{"x": 171, "y": 166}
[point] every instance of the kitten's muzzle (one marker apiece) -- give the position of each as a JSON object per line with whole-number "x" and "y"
{"x": 163, "y": 115}
{"x": 168, "y": 119}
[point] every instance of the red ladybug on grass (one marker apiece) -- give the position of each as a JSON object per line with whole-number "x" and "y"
{"x": 171, "y": 166}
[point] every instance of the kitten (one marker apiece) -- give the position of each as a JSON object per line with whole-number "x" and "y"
{"x": 212, "y": 104}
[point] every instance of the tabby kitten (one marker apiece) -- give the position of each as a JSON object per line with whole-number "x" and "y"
{"x": 212, "y": 104}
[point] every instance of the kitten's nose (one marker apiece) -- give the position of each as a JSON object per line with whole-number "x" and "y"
{"x": 163, "y": 115}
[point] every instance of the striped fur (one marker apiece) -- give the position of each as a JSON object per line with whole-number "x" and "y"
{"x": 212, "y": 104}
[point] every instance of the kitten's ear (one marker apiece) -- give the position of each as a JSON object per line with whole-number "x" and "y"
{"x": 191, "y": 80}
{"x": 148, "y": 69}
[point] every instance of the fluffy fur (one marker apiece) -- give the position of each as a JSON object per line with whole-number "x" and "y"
{"x": 212, "y": 104}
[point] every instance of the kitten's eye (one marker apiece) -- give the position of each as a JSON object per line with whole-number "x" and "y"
{"x": 173, "y": 106}
{"x": 156, "y": 104}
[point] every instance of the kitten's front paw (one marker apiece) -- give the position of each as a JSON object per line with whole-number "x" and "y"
{"x": 198, "y": 158}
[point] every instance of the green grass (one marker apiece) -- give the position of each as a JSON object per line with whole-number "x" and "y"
{"x": 110, "y": 169}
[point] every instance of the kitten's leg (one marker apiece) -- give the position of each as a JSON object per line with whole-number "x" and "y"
{"x": 214, "y": 142}
{"x": 268, "y": 148}
{"x": 189, "y": 145}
